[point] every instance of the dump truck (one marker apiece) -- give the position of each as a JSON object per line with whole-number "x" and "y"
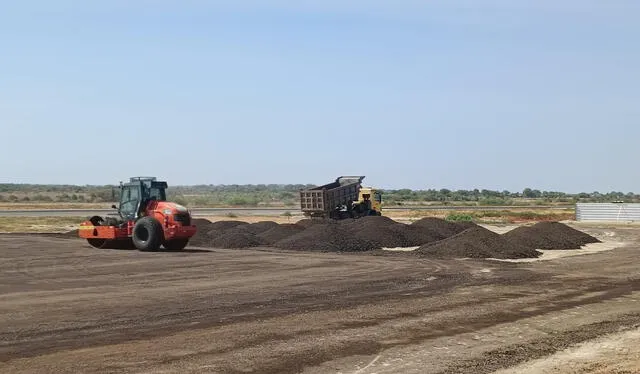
{"x": 344, "y": 198}
{"x": 144, "y": 220}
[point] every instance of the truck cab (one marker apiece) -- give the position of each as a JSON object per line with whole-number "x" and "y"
{"x": 344, "y": 198}
{"x": 371, "y": 198}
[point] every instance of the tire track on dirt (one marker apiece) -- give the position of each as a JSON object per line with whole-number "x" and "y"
{"x": 556, "y": 341}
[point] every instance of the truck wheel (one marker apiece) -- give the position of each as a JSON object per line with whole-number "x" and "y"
{"x": 147, "y": 234}
{"x": 176, "y": 244}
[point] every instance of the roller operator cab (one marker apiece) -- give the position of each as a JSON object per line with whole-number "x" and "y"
{"x": 144, "y": 220}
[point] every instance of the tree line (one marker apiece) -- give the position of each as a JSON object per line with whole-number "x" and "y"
{"x": 287, "y": 194}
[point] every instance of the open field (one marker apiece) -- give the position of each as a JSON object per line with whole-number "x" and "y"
{"x": 52, "y": 205}
{"x": 38, "y": 224}
{"x": 69, "y": 308}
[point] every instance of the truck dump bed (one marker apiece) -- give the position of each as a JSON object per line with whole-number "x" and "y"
{"x": 322, "y": 200}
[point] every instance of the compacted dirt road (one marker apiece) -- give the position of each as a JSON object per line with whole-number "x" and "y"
{"x": 65, "y": 307}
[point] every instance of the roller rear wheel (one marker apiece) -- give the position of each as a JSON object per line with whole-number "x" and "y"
{"x": 147, "y": 234}
{"x": 176, "y": 244}
{"x": 97, "y": 243}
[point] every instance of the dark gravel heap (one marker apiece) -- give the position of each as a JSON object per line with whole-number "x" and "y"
{"x": 201, "y": 222}
{"x": 476, "y": 242}
{"x": 236, "y": 240}
{"x": 242, "y": 228}
{"x": 466, "y": 224}
{"x": 200, "y": 238}
{"x": 431, "y": 229}
{"x": 385, "y": 232}
{"x": 225, "y": 225}
{"x": 549, "y": 235}
{"x": 280, "y": 232}
{"x": 240, "y": 234}
{"x": 307, "y": 222}
{"x": 436, "y": 237}
{"x": 349, "y": 235}
{"x": 380, "y": 231}
{"x": 438, "y": 226}
{"x": 262, "y": 226}
{"x": 329, "y": 237}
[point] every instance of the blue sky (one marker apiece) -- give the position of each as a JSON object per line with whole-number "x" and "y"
{"x": 413, "y": 94}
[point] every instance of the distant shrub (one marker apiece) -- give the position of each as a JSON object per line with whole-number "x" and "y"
{"x": 41, "y": 197}
{"x": 495, "y": 201}
{"x": 201, "y": 201}
{"x": 457, "y": 217}
{"x": 525, "y": 215}
{"x": 493, "y": 213}
{"x": 180, "y": 200}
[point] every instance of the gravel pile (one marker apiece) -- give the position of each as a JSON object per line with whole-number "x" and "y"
{"x": 431, "y": 229}
{"x": 259, "y": 227}
{"x": 435, "y": 237}
{"x": 438, "y": 227}
{"x": 349, "y": 235}
{"x": 280, "y": 232}
{"x": 225, "y": 225}
{"x": 234, "y": 240}
{"x": 329, "y": 237}
{"x": 549, "y": 235}
{"x": 203, "y": 226}
{"x": 466, "y": 224}
{"x": 385, "y": 232}
{"x": 476, "y": 242}
{"x": 308, "y": 222}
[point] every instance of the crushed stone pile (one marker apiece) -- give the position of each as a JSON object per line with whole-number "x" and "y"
{"x": 363, "y": 234}
{"x": 439, "y": 226}
{"x": 431, "y": 229}
{"x": 384, "y": 232}
{"x": 476, "y": 242}
{"x": 307, "y": 222}
{"x": 380, "y": 231}
{"x": 328, "y": 237}
{"x": 549, "y": 235}
{"x": 259, "y": 227}
{"x": 466, "y": 224}
{"x": 435, "y": 237}
{"x": 225, "y": 225}
{"x": 241, "y": 229}
{"x": 387, "y": 233}
{"x": 280, "y": 232}
{"x": 234, "y": 240}
{"x": 239, "y": 234}
{"x": 201, "y": 239}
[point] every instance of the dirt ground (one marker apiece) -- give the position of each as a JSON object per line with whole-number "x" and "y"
{"x": 65, "y": 307}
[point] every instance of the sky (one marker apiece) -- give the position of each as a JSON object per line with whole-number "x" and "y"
{"x": 457, "y": 94}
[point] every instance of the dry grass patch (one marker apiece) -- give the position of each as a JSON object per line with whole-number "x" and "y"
{"x": 39, "y": 224}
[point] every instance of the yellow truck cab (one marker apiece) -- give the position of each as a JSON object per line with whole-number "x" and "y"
{"x": 372, "y": 199}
